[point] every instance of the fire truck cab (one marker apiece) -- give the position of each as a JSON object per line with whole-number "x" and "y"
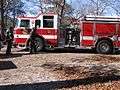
{"x": 99, "y": 32}
{"x": 46, "y": 33}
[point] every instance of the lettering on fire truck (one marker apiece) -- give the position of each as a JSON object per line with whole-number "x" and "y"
{"x": 99, "y": 32}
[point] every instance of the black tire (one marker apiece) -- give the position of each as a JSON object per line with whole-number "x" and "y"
{"x": 104, "y": 47}
{"x": 39, "y": 44}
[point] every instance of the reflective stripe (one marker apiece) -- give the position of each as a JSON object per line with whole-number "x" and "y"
{"x": 103, "y": 18}
{"x": 21, "y": 36}
{"x": 88, "y": 38}
{"x": 28, "y": 36}
{"x": 50, "y": 36}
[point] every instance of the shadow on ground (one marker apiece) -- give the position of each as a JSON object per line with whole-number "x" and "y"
{"x": 96, "y": 76}
{"x": 85, "y": 51}
{"x": 61, "y": 84}
{"x": 70, "y": 50}
{"x": 67, "y": 50}
{"x": 5, "y": 65}
{"x": 64, "y": 50}
{"x": 4, "y": 56}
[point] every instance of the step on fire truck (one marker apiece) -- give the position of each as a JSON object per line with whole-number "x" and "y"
{"x": 99, "y": 32}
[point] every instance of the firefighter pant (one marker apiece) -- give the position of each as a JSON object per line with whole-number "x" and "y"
{"x": 9, "y": 46}
{"x": 33, "y": 46}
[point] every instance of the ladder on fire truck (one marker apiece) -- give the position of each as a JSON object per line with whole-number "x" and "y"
{"x": 102, "y": 18}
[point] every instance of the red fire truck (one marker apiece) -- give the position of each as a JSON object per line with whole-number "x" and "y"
{"x": 99, "y": 32}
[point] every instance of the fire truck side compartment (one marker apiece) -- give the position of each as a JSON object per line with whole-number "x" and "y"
{"x": 87, "y": 34}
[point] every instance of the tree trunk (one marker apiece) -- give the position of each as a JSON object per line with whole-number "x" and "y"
{"x": 2, "y": 15}
{"x": 2, "y": 21}
{"x": 6, "y": 24}
{"x": 14, "y": 14}
{"x": 62, "y": 11}
{"x": 14, "y": 22}
{"x": 97, "y": 11}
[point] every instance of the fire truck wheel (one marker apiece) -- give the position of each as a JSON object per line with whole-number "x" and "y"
{"x": 39, "y": 44}
{"x": 104, "y": 47}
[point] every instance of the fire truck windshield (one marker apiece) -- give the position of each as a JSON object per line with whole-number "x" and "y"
{"x": 25, "y": 23}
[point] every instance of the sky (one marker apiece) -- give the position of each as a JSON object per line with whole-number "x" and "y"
{"x": 32, "y": 10}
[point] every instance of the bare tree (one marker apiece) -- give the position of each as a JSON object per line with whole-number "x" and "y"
{"x": 63, "y": 9}
{"x": 42, "y": 4}
{"x": 59, "y": 7}
{"x": 9, "y": 7}
{"x": 115, "y": 5}
{"x": 96, "y": 7}
{"x": 101, "y": 5}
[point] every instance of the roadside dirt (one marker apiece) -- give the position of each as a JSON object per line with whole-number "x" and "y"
{"x": 64, "y": 70}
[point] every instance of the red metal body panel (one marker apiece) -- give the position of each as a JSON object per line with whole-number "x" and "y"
{"x": 87, "y": 29}
{"x": 52, "y": 42}
{"x": 92, "y": 29}
{"x": 20, "y": 40}
{"x": 22, "y": 31}
{"x": 18, "y": 31}
{"x": 50, "y": 35}
{"x": 46, "y": 31}
{"x": 87, "y": 34}
{"x": 87, "y": 42}
{"x": 105, "y": 29}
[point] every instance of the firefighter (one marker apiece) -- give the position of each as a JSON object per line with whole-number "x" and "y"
{"x": 9, "y": 39}
{"x": 32, "y": 41}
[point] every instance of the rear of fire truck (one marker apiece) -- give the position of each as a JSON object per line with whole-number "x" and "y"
{"x": 101, "y": 33}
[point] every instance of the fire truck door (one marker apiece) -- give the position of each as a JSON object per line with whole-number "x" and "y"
{"x": 48, "y": 30}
